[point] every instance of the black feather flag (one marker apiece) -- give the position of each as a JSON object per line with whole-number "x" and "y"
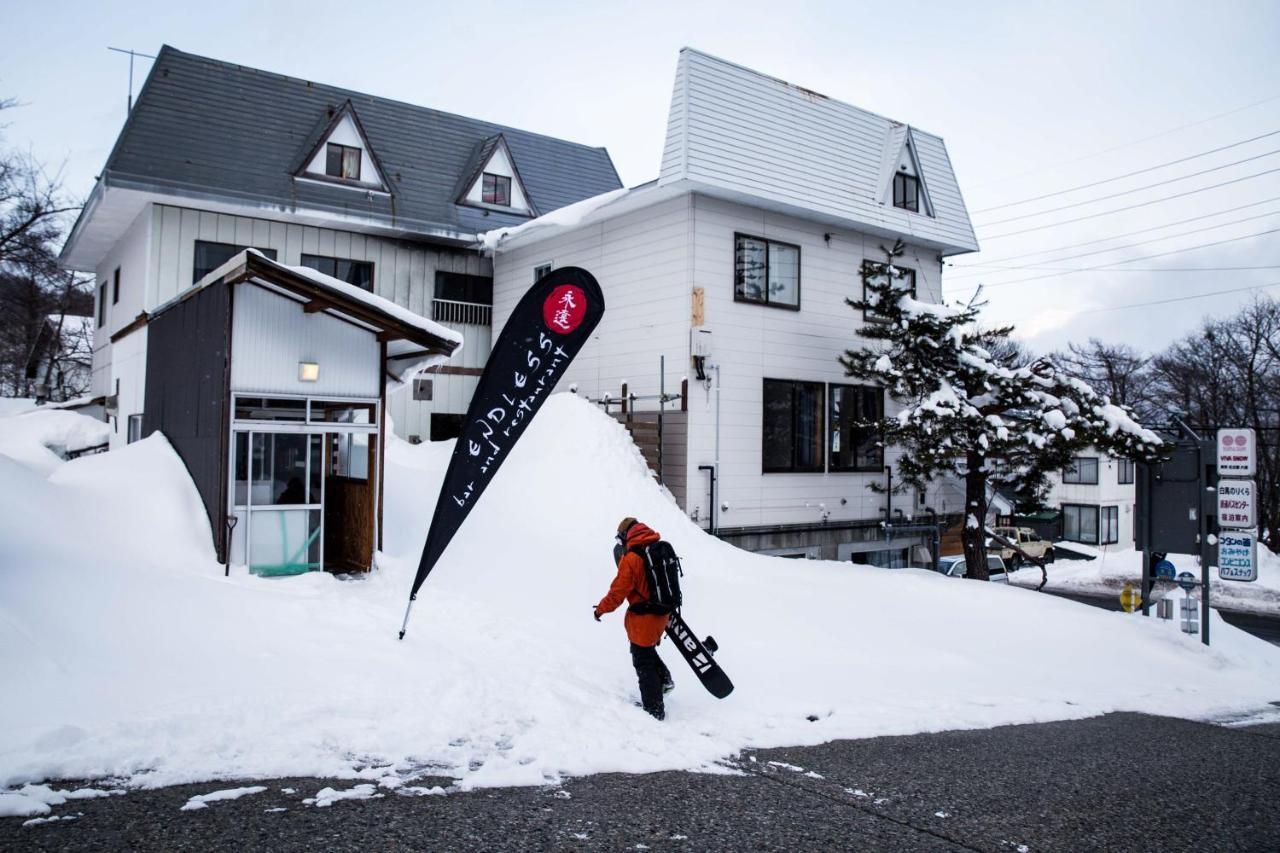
{"x": 545, "y": 331}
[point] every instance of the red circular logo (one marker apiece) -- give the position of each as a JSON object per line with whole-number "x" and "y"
{"x": 564, "y": 309}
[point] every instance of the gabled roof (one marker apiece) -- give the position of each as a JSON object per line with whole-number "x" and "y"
{"x": 330, "y": 124}
{"x": 211, "y": 129}
{"x": 483, "y": 155}
{"x": 735, "y": 132}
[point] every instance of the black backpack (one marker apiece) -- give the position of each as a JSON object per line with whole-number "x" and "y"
{"x": 662, "y": 571}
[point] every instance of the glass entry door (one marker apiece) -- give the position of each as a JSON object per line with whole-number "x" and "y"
{"x": 279, "y": 497}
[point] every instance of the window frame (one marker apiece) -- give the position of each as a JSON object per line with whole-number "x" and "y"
{"x": 1075, "y": 471}
{"x": 821, "y": 465}
{"x": 539, "y": 270}
{"x": 1109, "y": 525}
{"x": 1123, "y": 465}
{"x": 102, "y": 304}
{"x": 1097, "y": 523}
{"x": 488, "y": 194}
{"x": 831, "y": 430}
{"x": 115, "y": 286}
{"x": 342, "y": 158}
{"x": 869, "y": 316}
{"x": 336, "y": 261}
{"x": 903, "y": 178}
{"x": 768, "y": 244}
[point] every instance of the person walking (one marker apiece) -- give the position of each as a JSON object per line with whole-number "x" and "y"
{"x": 644, "y": 630}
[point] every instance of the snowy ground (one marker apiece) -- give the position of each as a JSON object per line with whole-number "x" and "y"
{"x": 129, "y": 655}
{"x": 1111, "y": 569}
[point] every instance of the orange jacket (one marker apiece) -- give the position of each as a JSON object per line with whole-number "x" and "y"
{"x": 632, "y": 586}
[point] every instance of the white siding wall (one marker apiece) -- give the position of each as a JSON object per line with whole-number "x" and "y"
{"x": 641, "y": 261}
{"x": 270, "y": 335}
{"x": 1108, "y": 492}
{"x": 753, "y": 342}
{"x": 403, "y": 272}
{"x": 121, "y": 368}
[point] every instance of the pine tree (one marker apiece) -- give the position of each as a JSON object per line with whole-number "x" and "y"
{"x": 970, "y": 413}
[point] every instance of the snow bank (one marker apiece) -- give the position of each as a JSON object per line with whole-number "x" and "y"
{"x": 16, "y": 406}
{"x": 127, "y": 653}
{"x": 42, "y": 439}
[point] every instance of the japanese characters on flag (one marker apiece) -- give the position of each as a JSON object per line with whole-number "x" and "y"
{"x": 547, "y": 328}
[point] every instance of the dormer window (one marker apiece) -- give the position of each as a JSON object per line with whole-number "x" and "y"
{"x": 342, "y": 161}
{"x": 496, "y": 190}
{"x": 906, "y": 192}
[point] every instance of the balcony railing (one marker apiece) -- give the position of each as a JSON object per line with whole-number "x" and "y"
{"x": 465, "y": 313}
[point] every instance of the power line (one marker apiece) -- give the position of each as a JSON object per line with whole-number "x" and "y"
{"x": 1144, "y": 269}
{"x": 1118, "y": 236}
{"x": 1178, "y": 299}
{"x": 1135, "y": 260}
{"x": 1190, "y": 233}
{"x": 1124, "y": 145}
{"x": 1128, "y": 174}
{"x": 1132, "y": 191}
{"x": 1130, "y": 207}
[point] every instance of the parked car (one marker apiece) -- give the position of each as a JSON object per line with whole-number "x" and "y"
{"x": 1028, "y": 540}
{"x": 955, "y": 567}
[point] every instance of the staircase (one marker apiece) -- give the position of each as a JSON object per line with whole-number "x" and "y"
{"x": 643, "y": 427}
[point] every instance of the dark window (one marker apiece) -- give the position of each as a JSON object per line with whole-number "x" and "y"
{"x": 210, "y": 256}
{"x": 906, "y": 192}
{"x": 270, "y": 409}
{"x": 115, "y": 287}
{"x": 1124, "y": 471}
{"x": 539, "y": 271}
{"x": 766, "y": 272}
{"x": 359, "y": 273}
{"x": 1083, "y": 471}
{"x": 445, "y": 426}
{"x": 1080, "y": 523}
{"x": 905, "y": 281}
{"x": 495, "y": 189}
{"x": 102, "y": 305}
{"x": 792, "y": 426}
{"x": 855, "y": 432}
{"x": 459, "y": 287}
{"x": 1110, "y": 525}
{"x": 342, "y": 161}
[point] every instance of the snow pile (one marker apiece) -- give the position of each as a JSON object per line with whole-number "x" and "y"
{"x": 42, "y": 439}
{"x": 565, "y": 217}
{"x": 1112, "y": 568}
{"x": 128, "y": 653}
{"x": 16, "y": 406}
{"x": 39, "y": 799}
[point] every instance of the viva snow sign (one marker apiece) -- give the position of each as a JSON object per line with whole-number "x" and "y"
{"x": 543, "y": 334}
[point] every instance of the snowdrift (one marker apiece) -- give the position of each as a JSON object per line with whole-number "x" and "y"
{"x": 128, "y": 653}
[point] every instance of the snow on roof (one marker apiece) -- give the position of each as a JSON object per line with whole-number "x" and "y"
{"x": 558, "y": 220}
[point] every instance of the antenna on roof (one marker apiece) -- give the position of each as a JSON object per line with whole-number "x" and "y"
{"x": 132, "y": 54}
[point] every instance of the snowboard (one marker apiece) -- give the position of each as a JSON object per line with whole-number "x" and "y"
{"x": 697, "y": 653}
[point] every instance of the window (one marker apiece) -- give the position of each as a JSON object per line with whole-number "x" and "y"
{"x": 496, "y": 189}
{"x": 1080, "y": 523}
{"x": 855, "y": 435}
{"x": 906, "y": 282}
{"x": 792, "y": 426}
{"x": 1124, "y": 471}
{"x": 540, "y": 270}
{"x": 115, "y": 287}
{"x": 342, "y": 161}
{"x": 1110, "y": 525}
{"x": 102, "y": 305}
{"x": 766, "y": 272}
{"x": 906, "y": 192}
{"x": 135, "y": 428}
{"x": 445, "y": 426}
{"x": 1084, "y": 471}
{"x": 359, "y": 273}
{"x": 459, "y": 287}
{"x": 210, "y": 256}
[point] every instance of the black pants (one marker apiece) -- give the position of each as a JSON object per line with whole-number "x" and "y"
{"x": 652, "y": 673}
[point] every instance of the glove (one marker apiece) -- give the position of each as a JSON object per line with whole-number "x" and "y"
{"x": 595, "y": 613}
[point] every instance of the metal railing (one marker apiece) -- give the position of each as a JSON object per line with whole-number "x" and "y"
{"x": 466, "y": 313}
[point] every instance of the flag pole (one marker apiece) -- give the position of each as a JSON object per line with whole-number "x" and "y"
{"x": 404, "y": 626}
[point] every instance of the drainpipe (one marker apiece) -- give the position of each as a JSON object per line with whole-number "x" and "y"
{"x": 712, "y": 470}
{"x": 888, "y": 501}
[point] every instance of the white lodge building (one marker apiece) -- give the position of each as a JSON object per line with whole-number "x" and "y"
{"x": 734, "y": 266}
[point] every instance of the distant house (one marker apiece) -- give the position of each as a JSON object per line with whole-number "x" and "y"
{"x": 1095, "y": 498}
{"x": 60, "y": 367}
{"x": 734, "y": 266}
{"x": 266, "y": 250}
{"x": 216, "y": 158}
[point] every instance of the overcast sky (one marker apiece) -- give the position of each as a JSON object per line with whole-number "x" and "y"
{"x": 1032, "y": 98}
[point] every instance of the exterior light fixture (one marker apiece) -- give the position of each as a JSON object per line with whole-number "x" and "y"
{"x": 308, "y": 371}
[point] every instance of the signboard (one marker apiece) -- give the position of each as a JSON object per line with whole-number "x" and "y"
{"x": 1237, "y": 453}
{"x": 1187, "y": 581}
{"x": 1166, "y": 569}
{"x": 1238, "y": 555}
{"x": 1236, "y": 505}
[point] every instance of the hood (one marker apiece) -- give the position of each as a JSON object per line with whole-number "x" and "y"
{"x": 641, "y": 534}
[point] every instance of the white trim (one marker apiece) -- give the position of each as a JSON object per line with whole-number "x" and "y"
{"x": 373, "y": 189}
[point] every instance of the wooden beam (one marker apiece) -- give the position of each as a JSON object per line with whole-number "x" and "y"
{"x": 388, "y": 335}
{"x": 315, "y": 306}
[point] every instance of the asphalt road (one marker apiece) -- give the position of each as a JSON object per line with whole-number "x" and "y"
{"x": 1120, "y": 782}
{"x": 1263, "y": 627}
